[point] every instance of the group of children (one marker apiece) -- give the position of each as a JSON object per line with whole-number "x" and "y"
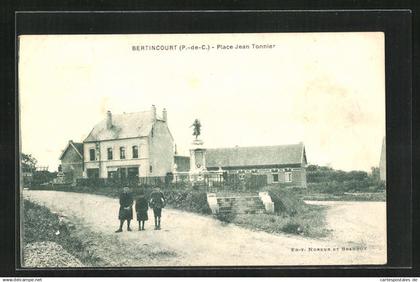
{"x": 142, "y": 203}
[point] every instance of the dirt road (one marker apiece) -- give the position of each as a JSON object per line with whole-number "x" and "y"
{"x": 186, "y": 239}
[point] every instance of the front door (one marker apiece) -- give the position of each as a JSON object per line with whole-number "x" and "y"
{"x": 93, "y": 172}
{"x": 133, "y": 172}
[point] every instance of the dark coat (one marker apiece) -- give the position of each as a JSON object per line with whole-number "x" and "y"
{"x": 126, "y": 206}
{"x": 157, "y": 200}
{"x": 141, "y": 208}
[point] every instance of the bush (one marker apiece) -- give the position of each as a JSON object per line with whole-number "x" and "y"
{"x": 286, "y": 201}
{"x": 327, "y": 180}
{"x": 292, "y": 228}
{"x": 41, "y": 177}
{"x": 188, "y": 200}
{"x": 226, "y": 217}
{"x": 349, "y": 186}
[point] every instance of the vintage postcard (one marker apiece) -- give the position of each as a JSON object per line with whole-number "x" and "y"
{"x": 262, "y": 149}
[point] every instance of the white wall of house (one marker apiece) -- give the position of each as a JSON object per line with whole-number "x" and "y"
{"x": 155, "y": 153}
{"x": 102, "y": 162}
{"x": 161, "y": 150}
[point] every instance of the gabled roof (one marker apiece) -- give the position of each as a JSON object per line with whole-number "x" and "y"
{"x": 78, "y": 147}
{"x": 256, "y": 156}
{"x": 127, "y": 125}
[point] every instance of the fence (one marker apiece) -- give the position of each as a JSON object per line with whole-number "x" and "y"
{"x": 118, "y": 182}
{"x": 210, "y": 182}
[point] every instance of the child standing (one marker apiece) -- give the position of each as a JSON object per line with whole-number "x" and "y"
{"x": 126, "y": 209}
{"x": 157, "y": 202}
{"x": 141, "y": 209}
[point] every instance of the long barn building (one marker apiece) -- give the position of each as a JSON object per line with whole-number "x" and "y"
{"x": 282, "y": 164}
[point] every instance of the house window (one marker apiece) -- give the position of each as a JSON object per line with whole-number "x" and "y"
{"x": 92, "y": 154}
{"x": 109, "y": 153}
{"x": 276, "y": 177}
{"x": 288, "y": 177}
{"x": 135, "y": 152}
{"x": 122, "y": 153}
{"x": 151, "y": 169}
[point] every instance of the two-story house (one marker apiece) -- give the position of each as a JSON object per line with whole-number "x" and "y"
{"x": 129, "y": 145}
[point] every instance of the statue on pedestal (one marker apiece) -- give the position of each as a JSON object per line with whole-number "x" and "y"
{"x": 197, "y": 154}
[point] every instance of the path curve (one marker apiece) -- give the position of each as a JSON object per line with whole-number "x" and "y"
{"x": 188, "y": 239}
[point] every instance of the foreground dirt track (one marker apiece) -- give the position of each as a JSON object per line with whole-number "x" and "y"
{"x": 188, "y": 239}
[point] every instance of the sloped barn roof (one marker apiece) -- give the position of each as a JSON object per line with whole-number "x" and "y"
{"x": 256, "y": 156}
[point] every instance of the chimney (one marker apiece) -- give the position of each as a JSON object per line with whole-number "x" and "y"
{"x": 154, "y": 112}
{"x": 108, "y": 120}
{"x": 164, "y": 115}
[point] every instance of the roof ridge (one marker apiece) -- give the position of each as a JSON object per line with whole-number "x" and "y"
{"x": 257, "y": 146}
{"x": 125, "y": 125}
{"x": 129, "y": 113}
{"x": 255, "y": 155}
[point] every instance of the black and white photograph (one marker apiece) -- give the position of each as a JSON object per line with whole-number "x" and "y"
{"x": 178, "y": 150}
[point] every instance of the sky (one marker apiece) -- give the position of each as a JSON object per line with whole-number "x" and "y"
{"x": 326, "y": 90}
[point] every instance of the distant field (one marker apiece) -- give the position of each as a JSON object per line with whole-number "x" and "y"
{"x": 375, "y": 197}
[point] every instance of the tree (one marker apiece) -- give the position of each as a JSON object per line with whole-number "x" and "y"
{"x": 28, "y": 162}
{"x": 375, "y": 173}
{"x": 196, "y": 128}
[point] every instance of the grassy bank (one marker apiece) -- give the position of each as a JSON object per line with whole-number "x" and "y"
{"x": 292, "y": 216}
{"x": 310, "y": 224}
{"x": 309, "y": 194}
{"x": 41, "y": 226}
{"x": 362, "y": 197}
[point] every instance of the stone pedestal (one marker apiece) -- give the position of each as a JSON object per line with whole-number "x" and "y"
{"x": 60, "y": 178}
{"x": 197, "y": 161}
{"x": 268, "y": 203}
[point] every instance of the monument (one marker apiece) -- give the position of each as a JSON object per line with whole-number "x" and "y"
{"x": 197, "y": 155}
